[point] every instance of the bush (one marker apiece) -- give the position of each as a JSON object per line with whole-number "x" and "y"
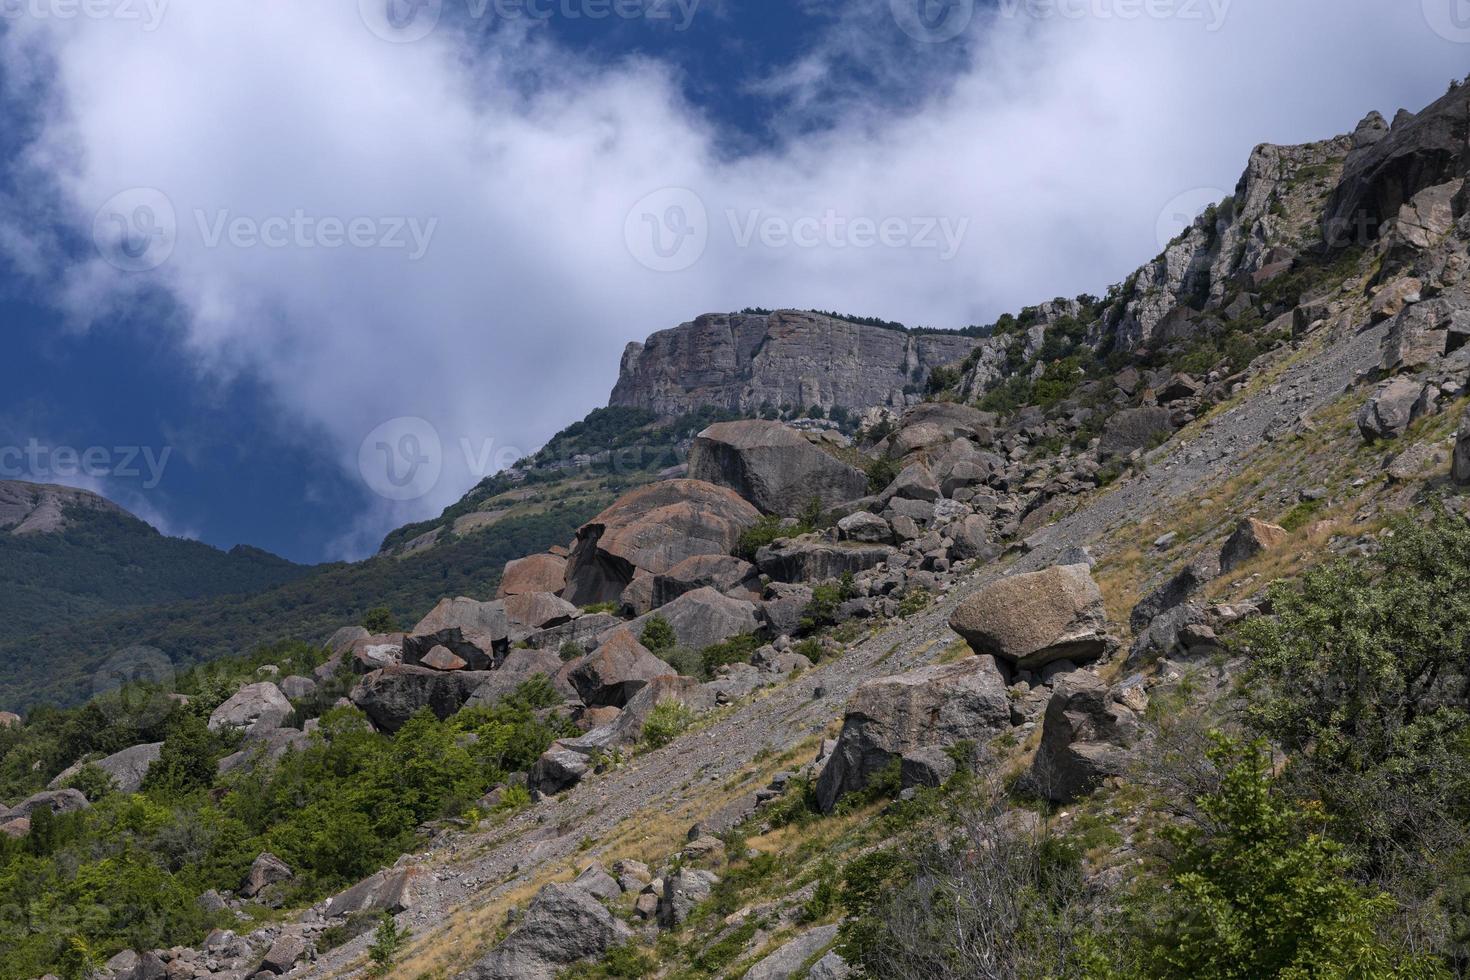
{"x": 379, "y": 621}
{"x": 666, "y": 722}
{"x": 658, "y": 635}
{"x": 881, "y": 473}
{"x": 767, "y": 530}
{"x": 387, "y": 942}
{"x": 736, "y": 650}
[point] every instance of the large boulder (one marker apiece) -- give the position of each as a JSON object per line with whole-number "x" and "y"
{"x": 1135, "y": 429}
{"x": 370, "y": 653}
{"x": 582, "y": 631}
{"x": 57, "y": 801}
{"x": 788, "y": 961}
{"x": 342, "y": 640}
{"x": 773, "y": 467}
{"x": 684, "y": 890}
{"x": 127, "y": 768}
{"x": 1392, "y": 408}
{"x": 1085, "y": 738}
{"x": 915, "y": 482}
{"x": 267, "y": 750}
{"x": 255, "y": 709}
{"x": 615, "y": 671}
{"x": 703, "y": 618}
{"x": 953, "y": 420}
{"x": 1251, "y": 538}
{"x": 564, "y": 925}
{"x": 558, "y": 770}
{"x": 909, "y": 716}
{"x": 723, "y": 573}
{"x": 266, "y": 870}
{"x": 1034, "y": 619}
{"x": 652, "y": 529}
{"x": 538, "y": 611}
{"x": 519, "y": 667}
{"x": 1420, "y": 335}
{"x": 865, "y": 528}
{"x": 814, "y": 559}
{"x": 479, "y": 633}
{"x": 393, "y": 695}
{"x": 9, "y": 719}
{"x": 393, "y": 891}
{"x": 538, "y": 573}
{"x": 1461, "y": 471}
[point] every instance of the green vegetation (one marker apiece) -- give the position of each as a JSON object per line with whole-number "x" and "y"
{"x": 127, "y": 872}
{"x": 768, "y": 530}
{"x": 666, "y": 722}
{"x": 387, "y": 943}
{"x": 658, "y": 635}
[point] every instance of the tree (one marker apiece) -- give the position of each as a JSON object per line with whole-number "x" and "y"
{"x": 387, "y": 942}
{"x": 1258, "y": 891}
{"x": 379, "y": 621}
{"x": 187, "y": 760}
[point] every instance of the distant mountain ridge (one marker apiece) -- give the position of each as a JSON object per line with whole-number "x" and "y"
{"x": 39, "y": 508}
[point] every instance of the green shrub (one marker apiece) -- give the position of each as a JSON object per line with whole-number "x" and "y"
{"x": 666, "y": 722}
{"x": 379, "y": 621}
{"x": 1302, "y": 514}
{"x": 658, "y": 635}
{"x": 387, "y": 943}
{"x": 881, "y": 473}
{"x": 767, "y": 530}
{"x": 736, "y": 650}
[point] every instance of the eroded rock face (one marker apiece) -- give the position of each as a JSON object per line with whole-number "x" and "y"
{"x": 476, "y": 632}
{"x": 773, "y": 466}
{"x": 127, "y": 768}
{"x": 1034, "y": 619}
{"x": 1173, "y": 593}
{"x": 1085, "y": 738}
{"x": 723, "y": 573}
{"x": 812, "y": 559}
{"x": 741, "y": 362}
{"x": 33, "y": 508}
{"x": 538, "y": 573}
{"x": 703, "y": 618}
{"x": 652, "y": 529}
{"x": 564, "y": 925}
{"x": 392, "y": 891}
{"x": 907, "y": 717}
{"x": 1135, "y": 429}
{"x": 1391, "y": 409}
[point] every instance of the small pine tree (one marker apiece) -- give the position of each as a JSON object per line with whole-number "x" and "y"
{"x": 387, "y": 943}
{"x": 379, "y": 621}
{"x": 659, "y": 635}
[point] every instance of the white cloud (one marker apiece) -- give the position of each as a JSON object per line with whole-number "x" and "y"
{"x": 1059, "y": 143}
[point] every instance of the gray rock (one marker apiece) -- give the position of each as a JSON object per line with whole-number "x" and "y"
{"x": 265, "y": 870}
{"x": 595, "y": 880}
{"x": 127, "y": 768}
{"x": 894, "y": 717}
{"x": 702, "y": 618}
{"x": 914, "y": 483}
{"x": 1084, "y": 739}
{"x": 683, "y": 891}
{"x": 1176, "y": 591}
{"x": 1251, "y": 538}
{"x": 617, "y": 670}
{"x": 393, "y": 891}
{"x": 266, "y": 750}
{"x": 811, "y": 559}
{"x": 723, "y": 573}
{"x": 342, "y": 640}
{"x": 298, "y": 688}
{"x": 284, "y": 954}
{"x": 255, "y": 709}
{"x": 564, "y": 925}
{"x": 1135, "y": 429}
{"x": 1391, "y": 409}
{"x": 1461, "y": 471}
{"x": 784, "y": 607}
{"x": 830, "y": 967}
{"x": 865, "y": 528}
{"x": 57, "y": 801}
{"x": 393, "y": 695}
{"x": 772, "y": 466}
{"x": 558, "y": 770}
{"x": 479, "y": 633}
{"x": 786, "y": 961}
{"x": 971, "y": 538}
{"x": 1030, "y": 620}
{"x": 519, "y": 667}
{"x": 537, "y": 573}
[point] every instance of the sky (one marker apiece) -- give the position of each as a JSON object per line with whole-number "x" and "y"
{"x": 293, "y": 274}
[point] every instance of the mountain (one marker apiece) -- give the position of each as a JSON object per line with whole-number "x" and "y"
{"x": 748, "y": 363}
{"x": 1132, "y": 644}
{"x": 68, "y": 555}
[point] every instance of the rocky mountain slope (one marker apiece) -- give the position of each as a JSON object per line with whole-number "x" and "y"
{"x": 34, "y": 508}
{"x": 1002, "y": 667}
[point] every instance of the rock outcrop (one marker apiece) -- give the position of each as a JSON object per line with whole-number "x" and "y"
{"x": 393, "y": 695}
{"x": 1084, "y": 739}
{"x": 564, "y": 925}
{"x": 742, "y": 362}
{"x": 912, "y": 718}
{"x": 255, "y": 709}
{"x": 36, "y": 508}
{"x": 1032, "y": 620}
{"x": 127, "y": 768}
{"x": 651, "y": 530}
{"x": 615, "y": 671}
{"x": 773, "y": 466}
{"x": 538, "y": 573}
{"x": 1251, "y": 538}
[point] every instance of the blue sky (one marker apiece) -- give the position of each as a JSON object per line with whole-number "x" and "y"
{"x": 502, "y": 166}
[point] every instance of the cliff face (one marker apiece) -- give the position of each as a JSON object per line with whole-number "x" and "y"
{"x": 741, "y": 362}
{"x": 34, "y": 508}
